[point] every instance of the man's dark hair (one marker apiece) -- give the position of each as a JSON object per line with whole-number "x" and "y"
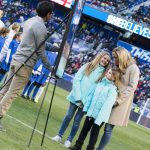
{"x": 43, "y": 8}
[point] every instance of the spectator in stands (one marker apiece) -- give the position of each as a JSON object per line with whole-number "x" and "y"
{"x": 33, "y": 35}
{"x": 3, "y": 34}
{"x": 129, "y": 76}
{"x": 82, "y": 82}
{"x": 5, "y": 65}
{"x": 14, "y": 29}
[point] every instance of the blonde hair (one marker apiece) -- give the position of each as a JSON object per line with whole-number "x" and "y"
{"x": 124, "y": 57}
{"x": 116, "y": 77}
{"x": 94, "y": 64}
{"x": 104, "y": 73}
{"x": 4, "y": 31}
{"x": 15, "y": 26}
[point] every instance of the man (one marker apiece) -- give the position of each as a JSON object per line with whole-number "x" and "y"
{"x": 34, "y": 33}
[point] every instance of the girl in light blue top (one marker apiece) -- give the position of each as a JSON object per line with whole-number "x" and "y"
{"x": 97, "y": 105}
{"x": 84, "y": 79}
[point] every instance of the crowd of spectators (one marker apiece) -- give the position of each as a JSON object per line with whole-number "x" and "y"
{"x": 142, "y": 93}
{"x": 91, "y": 38}
{"x": 16, "y": 11}
{"x": 114, "y": 6}
{"x": 141, "y": 15}
{"x": 124, "y": 8}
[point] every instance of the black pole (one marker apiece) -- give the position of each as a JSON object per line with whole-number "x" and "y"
{"x": 38, "y": 114}
{"x": 49, "y": 112}
{"x": 78, "y": 3}
{"x": 48, "y": 35}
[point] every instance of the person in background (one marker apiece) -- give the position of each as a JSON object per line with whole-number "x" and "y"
{"x": 86, "y": 77}
{"x": 3, "y": 35}
{"x": 41, "y": 78}
{"x": 35, "y": 72}
{"x": 5, "y": 64}
{"x": 14, "y": 29}
{"x": 128, "y": 73}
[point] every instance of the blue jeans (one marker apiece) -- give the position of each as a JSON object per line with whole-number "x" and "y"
{"x": 73, "y": 110}
{"x": 106, "y": 136}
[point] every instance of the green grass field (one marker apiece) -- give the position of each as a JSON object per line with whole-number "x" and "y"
{"x": 134, "y": 137}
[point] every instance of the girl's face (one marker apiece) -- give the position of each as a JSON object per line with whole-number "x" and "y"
{"x": 115, "y": 57}
{"x": 104, "y": 60}
{"x": 109, "y": 74}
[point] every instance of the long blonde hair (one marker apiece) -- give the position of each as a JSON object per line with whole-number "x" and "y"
{"x": 124, "y": 57}
{"x": 94, "y": 64}
{"x": 116, "y": 76}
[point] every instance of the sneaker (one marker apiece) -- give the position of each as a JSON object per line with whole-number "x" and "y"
{"x": 67, "y": 144}
{"x": 75, "y": 147}
{"x": 36, "y": 100}
{"x": 32, "y": 100}
{"x": 57, "y": 138}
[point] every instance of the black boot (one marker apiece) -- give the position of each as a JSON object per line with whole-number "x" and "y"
{"x": 2, "y": 128}
{"x": 90, "y": 148}
{"x": 75, "y": 147}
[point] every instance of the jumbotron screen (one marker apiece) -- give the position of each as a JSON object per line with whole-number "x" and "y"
{"x": 66, "y": 3}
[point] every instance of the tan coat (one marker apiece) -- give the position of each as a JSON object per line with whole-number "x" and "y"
{"x": 120, "y": 114}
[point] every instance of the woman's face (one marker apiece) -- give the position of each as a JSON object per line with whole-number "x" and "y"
{"x": 109, "y": 74}
{"x": 115, "y": 57}
{"x": 104, "y": 60}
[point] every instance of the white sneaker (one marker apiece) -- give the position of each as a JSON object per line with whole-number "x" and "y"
{"x": 57, "y": 138}
{"x": 67, "y": 144}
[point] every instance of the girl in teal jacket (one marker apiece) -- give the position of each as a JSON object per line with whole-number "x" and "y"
{"x": 97, "y": 105}
{"x": 84, "y": 79}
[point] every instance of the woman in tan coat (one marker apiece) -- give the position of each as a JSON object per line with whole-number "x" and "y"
{"x": 128, "y": 73}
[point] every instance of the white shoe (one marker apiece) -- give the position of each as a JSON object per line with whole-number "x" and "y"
{"x": 57, "y": 138}
{"x": 67, "y": 144}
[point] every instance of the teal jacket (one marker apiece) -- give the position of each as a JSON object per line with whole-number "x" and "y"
{"x": 82, "y": 84}
{"x": 100, "y": 100}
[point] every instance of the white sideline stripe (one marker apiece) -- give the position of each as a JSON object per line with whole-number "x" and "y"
{"x": 26, "y": 125}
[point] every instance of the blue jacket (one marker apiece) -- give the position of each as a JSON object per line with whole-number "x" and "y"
{"x": 45, "y": 72}
{"x": 2, "y": 41}
{"x": 82, "y": 83}
{"x": 100, "y": 100}
{"x": 11, "y": 51}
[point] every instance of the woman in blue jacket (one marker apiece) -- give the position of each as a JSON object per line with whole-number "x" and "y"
{"x": 82, "y": 82}
{"x": 98, "y": 105}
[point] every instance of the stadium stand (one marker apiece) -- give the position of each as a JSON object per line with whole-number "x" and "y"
{"x": 91, "y": 37}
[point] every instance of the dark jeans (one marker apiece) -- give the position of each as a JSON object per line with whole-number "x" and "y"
{"x": 106, "y": 136}
{"x": 73, "y": 110}
{"x": 89, "y": 125}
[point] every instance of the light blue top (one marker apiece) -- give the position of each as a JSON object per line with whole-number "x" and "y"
{"x": 100, "y": 100}
{"x": 82, "y": 84}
